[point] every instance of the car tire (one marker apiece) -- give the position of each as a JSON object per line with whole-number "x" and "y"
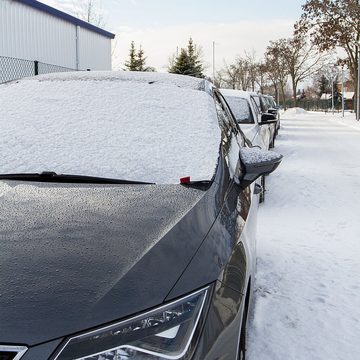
{"x": 262, "y": 194}
{"x": 272, "y": 144}
{"x": 243, "y": 336}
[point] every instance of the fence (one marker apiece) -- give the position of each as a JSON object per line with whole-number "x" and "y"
{"x": 318, "y": 105}
{"x": 14, "y": 69}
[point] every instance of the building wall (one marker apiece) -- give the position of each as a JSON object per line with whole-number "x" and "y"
{"x": 92, "y": 47}
{"x": 30, "y": 34}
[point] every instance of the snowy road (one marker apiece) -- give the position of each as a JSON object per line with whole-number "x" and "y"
{"x": 307, "y": 298}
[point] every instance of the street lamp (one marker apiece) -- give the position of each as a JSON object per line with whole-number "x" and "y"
{"x": 358, "y": 87}
{"x": 332, "y": 95}
{"x": 342, "y": 91}
{"x": 333, "y": 74}
{"x": 214, "y": 62}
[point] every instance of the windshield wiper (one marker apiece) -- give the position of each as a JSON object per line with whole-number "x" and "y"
{"x": 49, "y": 176}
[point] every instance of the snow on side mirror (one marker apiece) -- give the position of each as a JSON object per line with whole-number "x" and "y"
{"x": 257, "y": 162}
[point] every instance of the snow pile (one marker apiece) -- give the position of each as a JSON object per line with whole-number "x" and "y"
{"x": 295, "y": 111}
{"x": 307, "y": 289}
{"x": 146, "y": 127}
{"x": 256, "y": 155}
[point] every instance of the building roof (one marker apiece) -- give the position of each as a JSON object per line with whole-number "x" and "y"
{"x": 349, "y": 95}
{"x": 325, "y": 96}
{"x": 64, "y": 16}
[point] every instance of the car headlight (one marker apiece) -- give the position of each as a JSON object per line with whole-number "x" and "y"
{"x": 164, "y": 333}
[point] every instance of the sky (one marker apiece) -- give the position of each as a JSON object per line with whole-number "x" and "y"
{"x": 162, "y": 27}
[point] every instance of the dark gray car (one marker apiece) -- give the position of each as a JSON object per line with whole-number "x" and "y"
{"x": 95, "y": 266}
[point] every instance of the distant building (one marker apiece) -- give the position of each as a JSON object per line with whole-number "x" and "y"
{"x": 33, "y": 31}
{"x": 325, "y": 97}
{"x": 349, "y": 99}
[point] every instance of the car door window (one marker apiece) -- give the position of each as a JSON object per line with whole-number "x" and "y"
{"x": 256, "y": 105}
{"x": 241, "y": 109}
{"x": 227, "y": 124}
{"x": 225, "y": 115}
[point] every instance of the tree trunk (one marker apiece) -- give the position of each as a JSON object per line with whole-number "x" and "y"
{"x": 283, "y": 96}
{"x": 294, "y": 93}
{"x": 356, "y": 81}
{"x": 276, "y": 93}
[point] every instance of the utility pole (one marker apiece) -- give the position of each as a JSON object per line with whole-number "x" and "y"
{"x": 332, "y": 95}
{"x": 214, "y": 61}
{"x": 343, "y": 91}
{"x": 358, "y": 88}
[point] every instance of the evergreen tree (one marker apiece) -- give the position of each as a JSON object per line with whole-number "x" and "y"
{"x": 132, "y": 63}
{"x": 324, "y": 85}
{"x": 141, "y": 60}
{"x": 187, "y": 62}
{"x": 181, "y": 64}
{"x": 137, "y": 60}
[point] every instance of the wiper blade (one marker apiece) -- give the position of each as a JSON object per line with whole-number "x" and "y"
{"x": 49, "y": 176}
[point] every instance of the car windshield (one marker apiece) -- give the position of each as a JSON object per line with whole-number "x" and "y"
{"x": 150, "y": 130}
{"x": 240, "y": 108}
{"x": 270, "y": 101}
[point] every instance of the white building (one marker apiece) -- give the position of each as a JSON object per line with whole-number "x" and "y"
{"x": 30, "y": 30}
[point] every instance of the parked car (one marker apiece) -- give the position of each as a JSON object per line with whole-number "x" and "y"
{"x": 248, "y": 112}
{"x": 273, "y": 108}
{"x": 257, "y": 125}
{"x": 128, "y": 219}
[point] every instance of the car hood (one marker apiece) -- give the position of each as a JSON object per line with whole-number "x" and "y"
{"x": 73, "y": 257}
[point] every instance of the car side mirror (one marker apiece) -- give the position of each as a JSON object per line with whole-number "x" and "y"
{"x": 257, "y": 162}
{"x": 268, "y": 118}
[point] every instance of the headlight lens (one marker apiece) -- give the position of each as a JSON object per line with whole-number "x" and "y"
{"x": 164, "y": 333}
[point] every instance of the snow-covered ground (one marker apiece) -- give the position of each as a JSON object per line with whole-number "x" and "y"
{"x": 307, "y": 297}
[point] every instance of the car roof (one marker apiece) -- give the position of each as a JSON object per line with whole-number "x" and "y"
{"x": 186, "y": 82}
{"x": 236, "y": 93}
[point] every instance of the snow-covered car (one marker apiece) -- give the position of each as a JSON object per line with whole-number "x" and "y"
{"x": 273, "y": 108}
{"x": 250, "y": 112}
{"x": 127, "y": 219}
{"x": 256, "y": 124}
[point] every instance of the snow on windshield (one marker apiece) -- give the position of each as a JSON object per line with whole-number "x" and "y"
{"x": 129, "y": 129}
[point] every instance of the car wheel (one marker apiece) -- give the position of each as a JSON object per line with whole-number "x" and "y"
{"x": 272, "y": 144}
{"x": 262, "y": 194}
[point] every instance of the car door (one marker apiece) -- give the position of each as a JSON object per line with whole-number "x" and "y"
{"x": 240, "y": 205}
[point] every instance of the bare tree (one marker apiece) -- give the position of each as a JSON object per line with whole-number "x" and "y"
{"x": 333, "y": 23}
{"x": 252, "y": 68}
{"x": 91, "y": 12}
{"x": 262, "y": 76}
{"x": 301, "y": 59}
{"x": 229, "y": 76}
{"x": 244, "y": 74}
{"x": 277, "y": 68}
